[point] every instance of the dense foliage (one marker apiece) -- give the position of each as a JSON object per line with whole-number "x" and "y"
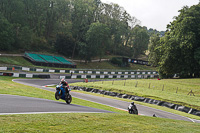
{"x": 83, "y": 28}
{"x": 179, "y": 50}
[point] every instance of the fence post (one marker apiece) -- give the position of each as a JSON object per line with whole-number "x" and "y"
{"x": 177, "y": 90}
{"x": 136, "y": 84}
{"x": 125, "y": 82}
{"x": 163, "y": 88}
{"x": 149, "y": 85}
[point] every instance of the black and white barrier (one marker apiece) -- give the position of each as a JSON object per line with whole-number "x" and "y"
{"x": 141, "y": 99}
{"x": 109, "y": 76}
{"x": 91, "y": 72}
{"x": 26, "y": 75}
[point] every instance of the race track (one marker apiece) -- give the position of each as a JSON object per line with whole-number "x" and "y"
{"x": 62, "y": 107}
{"x": 11, "y": 104}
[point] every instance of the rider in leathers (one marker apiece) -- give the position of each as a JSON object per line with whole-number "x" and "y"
{"x": 64, "y": 85}
{"x": 132, "y": 109}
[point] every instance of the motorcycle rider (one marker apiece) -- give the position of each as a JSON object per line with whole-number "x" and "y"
{"x": 132, "y": 109}
{"x": 64, "y": 85}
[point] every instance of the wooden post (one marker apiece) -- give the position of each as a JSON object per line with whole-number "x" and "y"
{"x": 163, "y": 88}
{"x": 125, "y": 82}
{"x": 149, "y": 85}
{"x": 113, "y": 82}
{"x": 136, "y": 84}
{"x": 177, "y": 90}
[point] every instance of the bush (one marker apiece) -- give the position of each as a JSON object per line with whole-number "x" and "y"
{"x": 117, "y": 61}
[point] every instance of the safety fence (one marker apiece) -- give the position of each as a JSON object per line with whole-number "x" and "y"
{"x": 21, "y": 75}
{"x": 138, "y": 72}
{"x": 18, "y": 68}
{"x": 27, "y": 75}
{"x": 110, "y": 76}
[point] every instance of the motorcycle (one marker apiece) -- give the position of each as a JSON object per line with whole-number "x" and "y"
{"x": 132, "y": 109}
{"x": 63, "y": 94}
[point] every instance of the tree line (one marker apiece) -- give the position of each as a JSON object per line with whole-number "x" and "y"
{"x": 178, "y": 52}
{"x": 74, "y": 28}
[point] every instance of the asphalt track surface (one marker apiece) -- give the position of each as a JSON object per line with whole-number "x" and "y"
{"x": 47, "y": 106}
{"x": 11, "y": 104}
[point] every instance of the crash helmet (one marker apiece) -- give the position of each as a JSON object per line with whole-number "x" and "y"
{"x": 63, "y": 80}
{"x": 132, "y": 103}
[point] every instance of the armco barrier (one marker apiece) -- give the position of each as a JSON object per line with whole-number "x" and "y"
{"x": 7, "y": 74}
{"x": 97, "y": 72}
{"x": 141, "y": 99}
{"x": 44, "y": 76}
{"x": 109, "y": 76}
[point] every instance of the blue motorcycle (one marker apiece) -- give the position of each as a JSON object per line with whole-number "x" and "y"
{"x": 62, "y": 93}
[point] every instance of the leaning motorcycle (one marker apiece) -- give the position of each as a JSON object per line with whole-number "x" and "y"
{"x": 132, "y": 109}
{"x": 62, "y": 93}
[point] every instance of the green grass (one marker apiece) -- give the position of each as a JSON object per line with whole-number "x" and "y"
{"x": 152, "y": 88}
{"x": 89, "y": 123}
{"x": 20, "y": 61}
{"x": 108, "y": 65}
{"x": 77, "y": 122}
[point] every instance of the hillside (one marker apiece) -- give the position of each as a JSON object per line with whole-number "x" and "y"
{"x": 20, "y": 61}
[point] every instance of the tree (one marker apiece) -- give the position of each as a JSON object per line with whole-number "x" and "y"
{"x": 155, "y": 50}
{"x": 181, "y": 44}
{"x": 97, "y": 38}
{"x": 140, "y": 41}
{"x": 64, "y": 44}
{"x": 6, "y": 34}
{"x": 42, "y": 22}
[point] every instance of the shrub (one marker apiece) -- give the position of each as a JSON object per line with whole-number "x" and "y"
{"x": 117, "y": 61}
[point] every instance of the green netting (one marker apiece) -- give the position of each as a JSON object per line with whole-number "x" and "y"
{"x": 35, "y": 57}
{"x": 63, "y": 60}
{"x": 49, "y": 59}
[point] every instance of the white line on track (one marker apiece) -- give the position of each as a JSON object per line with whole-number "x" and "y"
{"x": 47, "y": 113}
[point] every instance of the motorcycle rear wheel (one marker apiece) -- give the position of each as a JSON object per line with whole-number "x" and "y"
{"x": 68, "y": 98}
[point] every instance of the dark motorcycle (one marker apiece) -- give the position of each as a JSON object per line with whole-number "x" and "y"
{"x": 132, "y": 109}
{"x": 62, "y": 93}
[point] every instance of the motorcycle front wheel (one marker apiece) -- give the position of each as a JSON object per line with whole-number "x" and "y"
{"x": 57, "y": 95}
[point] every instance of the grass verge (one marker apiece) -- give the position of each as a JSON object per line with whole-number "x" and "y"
{"x": 164, "y": 90}
{"x": 93, "y": 123}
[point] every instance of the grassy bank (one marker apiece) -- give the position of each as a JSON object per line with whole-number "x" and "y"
{"x": 59, "y": 123}
{"x": 169, "y": 90}
{"x": 20, "y": 61}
